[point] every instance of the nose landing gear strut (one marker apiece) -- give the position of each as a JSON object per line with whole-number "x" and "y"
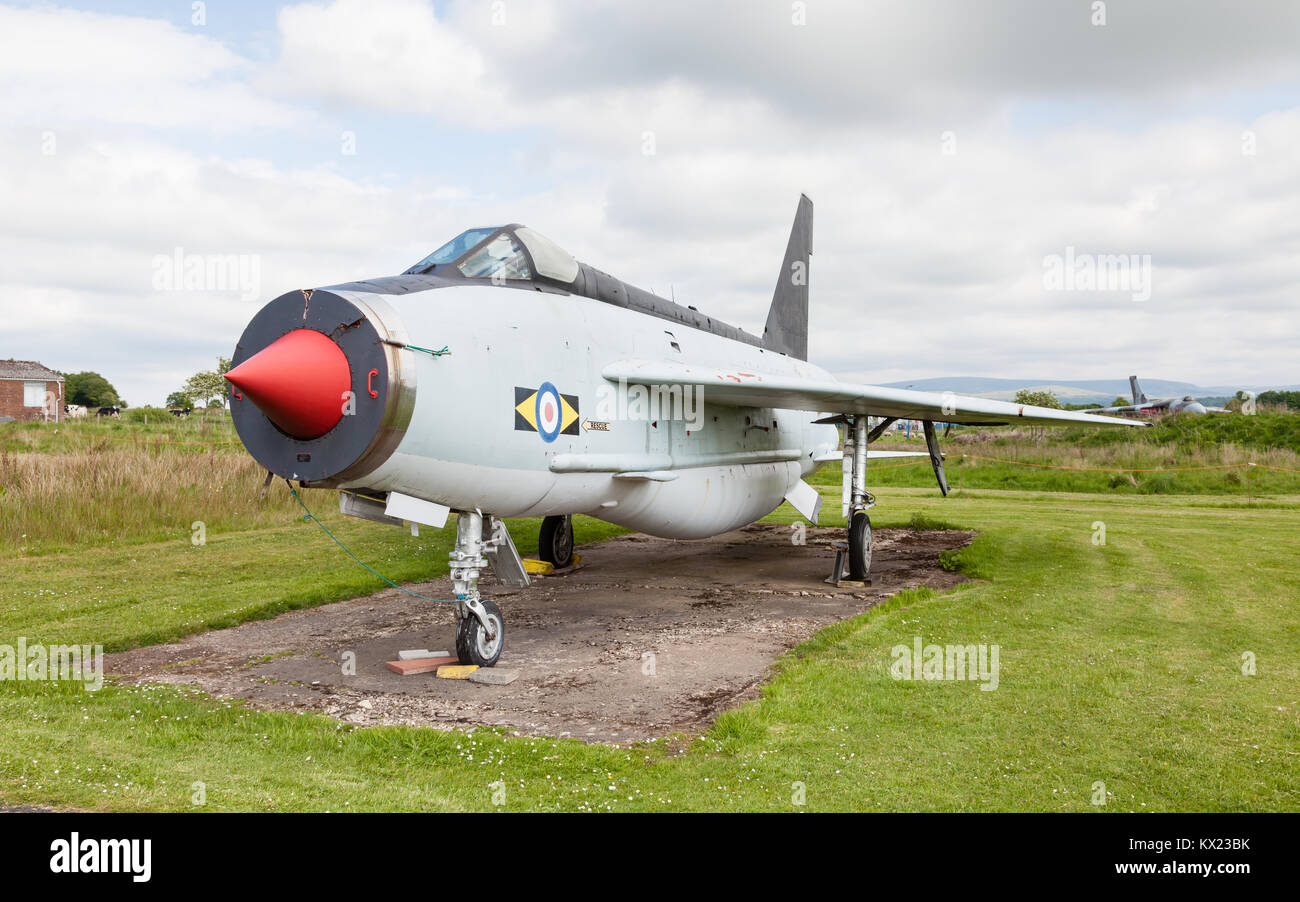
{"x": 481, "y": 632}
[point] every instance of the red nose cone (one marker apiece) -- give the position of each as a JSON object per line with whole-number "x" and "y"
{"x": 298, "y": 381}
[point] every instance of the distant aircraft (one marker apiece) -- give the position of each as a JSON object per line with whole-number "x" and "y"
{"x": 1145, "y": 407}
{"x": 500, "y": 377}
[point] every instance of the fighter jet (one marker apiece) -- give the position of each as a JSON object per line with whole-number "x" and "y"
{"x": 1143, "y": 406}
{"x": 500, "y": 377}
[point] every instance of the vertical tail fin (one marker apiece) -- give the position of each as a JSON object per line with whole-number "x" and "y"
{"x": 1139, "y": 396}
{"x": 787, "y": 320}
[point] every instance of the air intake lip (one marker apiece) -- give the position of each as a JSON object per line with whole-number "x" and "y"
{"x": 296, "y": 361}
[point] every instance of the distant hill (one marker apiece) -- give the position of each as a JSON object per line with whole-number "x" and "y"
{"x": 1074, "y": 391}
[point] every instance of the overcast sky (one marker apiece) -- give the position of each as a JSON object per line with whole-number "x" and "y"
{"x": 951, "y": 149}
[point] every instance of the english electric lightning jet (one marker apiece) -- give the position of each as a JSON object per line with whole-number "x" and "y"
{"x": 1143, "y": 406}
{"x": 500, "y": 377}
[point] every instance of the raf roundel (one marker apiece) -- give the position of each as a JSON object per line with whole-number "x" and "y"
{"x": 548, "y": 412}
{"x": 545, "y": 411}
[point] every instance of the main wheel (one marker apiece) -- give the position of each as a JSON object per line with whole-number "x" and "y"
{"x": 859, "y": 546}
{"x": 472, "y": 643}
{"x": 555, "y": 543}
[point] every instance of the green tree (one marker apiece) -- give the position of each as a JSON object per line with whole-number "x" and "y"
{"x": 179, "y": 399}
{"x": 1120, "y": 401}
{"x": 209, "y": 385}
{"x": 1037, "y": 399}
{"x": 1288, "y": 399}
{"x": 90, "y": 389}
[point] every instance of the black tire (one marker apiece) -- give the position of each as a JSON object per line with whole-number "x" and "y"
{"x": 859, "y": 546}
{"x": 472, "y": 644}
{"x": 555, "y": 543}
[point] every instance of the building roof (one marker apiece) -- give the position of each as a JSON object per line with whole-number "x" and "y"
{"x": 27, "y": 369}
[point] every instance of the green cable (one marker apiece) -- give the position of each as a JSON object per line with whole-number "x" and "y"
{"x": 445, "y": 350}
{"x": 310, "y": 516}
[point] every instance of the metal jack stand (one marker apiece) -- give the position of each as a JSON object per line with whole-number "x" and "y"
{"x": 838, "y": 578}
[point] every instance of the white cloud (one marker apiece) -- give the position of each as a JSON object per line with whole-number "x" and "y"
{"x": 394, "y": 57}
{"x": 887, "y": 62}
{"x": 60, "y": 67}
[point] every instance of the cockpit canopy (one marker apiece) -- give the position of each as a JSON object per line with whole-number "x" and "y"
{"x": 511, "y": 252}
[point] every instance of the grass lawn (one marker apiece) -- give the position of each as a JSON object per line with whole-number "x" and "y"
{"x": 1120, "y": 663}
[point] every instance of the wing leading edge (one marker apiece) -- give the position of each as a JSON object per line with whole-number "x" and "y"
{"x": 742, "y": 389}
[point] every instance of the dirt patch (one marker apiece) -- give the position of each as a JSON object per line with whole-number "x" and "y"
{"x": 714, "y": 614}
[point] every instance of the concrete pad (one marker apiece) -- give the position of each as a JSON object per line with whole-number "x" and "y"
{"x": 494, "y": 676}
{"x": 456, "y": 671}
{"x": 650, "y": 638}
{"x": 412, "y": 654}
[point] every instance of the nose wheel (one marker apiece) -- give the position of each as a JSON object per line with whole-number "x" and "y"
{"x": 479, "y": 641}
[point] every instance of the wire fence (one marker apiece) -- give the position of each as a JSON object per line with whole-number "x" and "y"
{"x": 139, "y": 440}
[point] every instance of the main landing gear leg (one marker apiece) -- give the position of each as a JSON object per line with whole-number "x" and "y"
{"x": 481, "y": 632}
{"x": 555, "y": 541}
{"x": 856, "y": 499}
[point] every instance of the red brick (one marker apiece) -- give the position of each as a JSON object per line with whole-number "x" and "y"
{"x": 419, "y": 665}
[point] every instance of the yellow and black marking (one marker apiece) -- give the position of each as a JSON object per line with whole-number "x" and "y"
{"x": 545, "y": 411}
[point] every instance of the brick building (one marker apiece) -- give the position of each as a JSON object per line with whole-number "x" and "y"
{"x": 26, "y": 388}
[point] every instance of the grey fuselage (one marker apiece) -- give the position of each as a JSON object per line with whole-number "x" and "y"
{"x": 690, "y": 471}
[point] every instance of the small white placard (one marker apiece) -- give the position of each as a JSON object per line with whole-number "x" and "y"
{"x": 417, "y": 510}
